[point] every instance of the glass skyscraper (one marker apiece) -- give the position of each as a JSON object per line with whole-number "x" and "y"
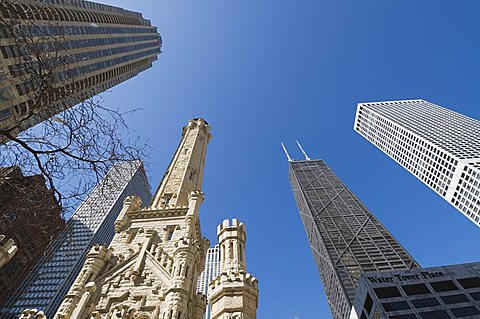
{"x": 92, "y": 223}
{"x": 212, "y": 270}
{"x": 88, "y": 47}
{"x": 439, "y": 146}
{"x": 345, "y": 238}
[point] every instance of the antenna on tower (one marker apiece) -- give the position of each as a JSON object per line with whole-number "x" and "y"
{"x": 286, "y": 152}
{"x": 303, "y": 151}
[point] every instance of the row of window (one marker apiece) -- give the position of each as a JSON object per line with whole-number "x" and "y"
{"x": 450, "y": 130}
{"x": 56, "y": 13}
{"x": 425, "y": 161}
{"x": 60, "y": 45}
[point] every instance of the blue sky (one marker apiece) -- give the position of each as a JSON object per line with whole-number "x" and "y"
{"x": 266, "y": 71}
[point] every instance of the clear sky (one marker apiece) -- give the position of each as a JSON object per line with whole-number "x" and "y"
{"x": 266, "y": 71}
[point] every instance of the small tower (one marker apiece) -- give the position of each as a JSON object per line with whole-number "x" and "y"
{"x": 234, "y": 293}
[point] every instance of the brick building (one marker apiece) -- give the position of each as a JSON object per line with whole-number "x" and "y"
{"x": 31, "y": 216}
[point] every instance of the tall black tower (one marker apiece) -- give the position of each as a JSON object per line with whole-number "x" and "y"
{"x": 345, "y": 238}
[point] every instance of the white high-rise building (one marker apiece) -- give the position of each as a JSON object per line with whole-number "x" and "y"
{"x": 212, "y": 270}
{"x": 437, "y": 145}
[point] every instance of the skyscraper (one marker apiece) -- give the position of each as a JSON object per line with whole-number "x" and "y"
{"x": 345, "y": 238}
{"x": 439, "y": 146}
{"x": 92, "y": 223}
{"x": 212, "y": 270}
{"x": 56, "y": 54}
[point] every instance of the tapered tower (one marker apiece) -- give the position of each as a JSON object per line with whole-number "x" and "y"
{"x": 346, "y": 239}
{"x": 151, "y": 268}
{"x": 233, "y": 293}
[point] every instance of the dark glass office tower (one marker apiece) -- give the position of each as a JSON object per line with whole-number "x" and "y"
{"x": 345, "y": 238}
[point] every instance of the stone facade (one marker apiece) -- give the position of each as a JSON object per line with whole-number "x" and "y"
{"x": 151, "y": 268}
{"x": 7, "y": 250}
{"x": 234, "y": 293}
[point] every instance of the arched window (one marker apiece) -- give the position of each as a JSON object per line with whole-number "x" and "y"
{"x": 230, "y": 250}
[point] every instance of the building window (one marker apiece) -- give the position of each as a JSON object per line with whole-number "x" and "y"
{"x": 408, "y": 316}
{"x": 394, "y": 306}
{"x": 465, "y": 312}
{"x": 427, "y": 302}
{"x": 169, "y": 234}
{"x": 446, "y": 285}
{"x": 387, "y": 292}
{"x": 455, "y": 299}
{"x": 438, "y": 314}
{"x": 368, "y": 303}
{"x": 467, "y": 283}
{"x": 417, "y": 289}
{"x": 475, "y": 295}
{"x": 167, "y": 198}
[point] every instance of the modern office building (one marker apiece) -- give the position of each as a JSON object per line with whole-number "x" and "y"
{"x": 212, "y": 270}
{"x": 439, "y": 146}
{"x": 92, "y": 223}
{"x": 31, "y": 217}
{"x": 345, "y": 238}
{"x": 421, "y": 293}
{"x": 55, "y": 54}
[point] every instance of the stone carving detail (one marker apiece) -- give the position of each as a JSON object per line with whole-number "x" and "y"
{"x": 7, "y": 250}
{"x": 32, "y": 314}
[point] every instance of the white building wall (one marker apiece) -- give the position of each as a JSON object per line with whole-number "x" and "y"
{"x": 212, "y": 270}
{"x": 440, "y": 147}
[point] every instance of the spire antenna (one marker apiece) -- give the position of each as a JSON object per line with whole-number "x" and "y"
{"x": 286, "y": 152}
{"x": 303, "y": 151}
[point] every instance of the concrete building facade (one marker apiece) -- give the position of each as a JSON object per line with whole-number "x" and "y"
{"x": 346, "y": 239}
{"x": 92, "y": 223}
{"x": 422, "y": 293}
{"x": 55, "y": 54}
{"x": 438, "y": 146}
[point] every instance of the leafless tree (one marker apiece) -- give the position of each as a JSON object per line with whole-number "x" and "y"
{"x": 72, "y": 147}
